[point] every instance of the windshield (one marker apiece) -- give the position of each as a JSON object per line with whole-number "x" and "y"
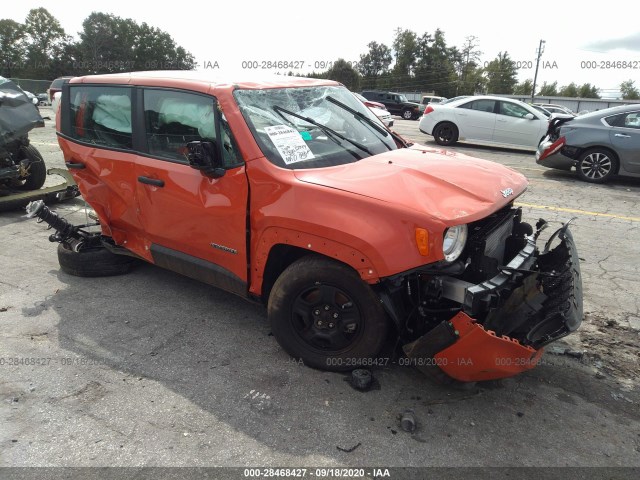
{"x": 311, "y": 127}
{"x": 402, "y": 98}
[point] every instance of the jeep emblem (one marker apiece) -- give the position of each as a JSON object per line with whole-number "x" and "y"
{"x": 506, "y": 192}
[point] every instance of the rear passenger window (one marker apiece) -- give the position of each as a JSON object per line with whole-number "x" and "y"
{"x": 101, "y": 116}
{"x": 480, "y": 105}
{"x": 173, "y": 119}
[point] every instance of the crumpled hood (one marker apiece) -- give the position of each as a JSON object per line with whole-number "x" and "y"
{"x": 451, "y": 187}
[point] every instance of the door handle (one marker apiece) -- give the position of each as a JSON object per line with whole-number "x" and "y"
{"x": 151, "y": 181}
{"x": 621, "y": 135}
{"x": 75, "y": 166}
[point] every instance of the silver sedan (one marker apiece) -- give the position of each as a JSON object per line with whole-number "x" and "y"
{"x": 599, "y": 144}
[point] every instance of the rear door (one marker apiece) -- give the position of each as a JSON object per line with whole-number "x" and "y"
{"x": 97, "y": 131}
{"x": 625, "y": 138}
{"x": 476, "y": 120}
{"x": 514, "y": 128}
{"x": 195, "y": 224}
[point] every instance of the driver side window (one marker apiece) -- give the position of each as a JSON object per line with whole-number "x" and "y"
{"x": 173, "y": 119}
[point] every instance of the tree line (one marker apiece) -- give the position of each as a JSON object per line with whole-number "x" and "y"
{"x": 39, "y": 48}
{"x": 426, "y": 63}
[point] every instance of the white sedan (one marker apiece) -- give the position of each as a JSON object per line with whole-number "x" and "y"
{"x": 485, "y": 119}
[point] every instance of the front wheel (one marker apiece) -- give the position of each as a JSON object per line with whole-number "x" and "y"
{"x": 446, "y": 134}
{"x": 597, "y": 165}
{"x": 323, "y": 313}
{"x": 407, "y": 114}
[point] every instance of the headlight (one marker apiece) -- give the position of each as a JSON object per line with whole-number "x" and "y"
{"x": 455, "y": 238}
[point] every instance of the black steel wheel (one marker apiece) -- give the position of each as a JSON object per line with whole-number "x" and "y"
{"x": 597, "y": 165}
{"x": 445, "y": 134}
{"x": 324, "y": 314}
{"x": 93, "y": 261}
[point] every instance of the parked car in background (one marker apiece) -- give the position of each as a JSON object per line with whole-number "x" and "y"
{"x": 427, "y": 99}
{"x": 396, "y": 103}
{"x": 449, "y": 100}
{"x": 598, "y": 144}
{"x": 56, "y": 86}
{"x": 542, "y": 110}
{"x": 485, "y": 119}
{"x": 384, "y": 116}
{"x": 43, "y": 99}
{"x": 378, "y": 109}
{"x": 552, "y": 108}
{"x": 369, "y": 103}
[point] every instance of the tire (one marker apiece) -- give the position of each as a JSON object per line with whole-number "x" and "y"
{"x": 93, "y": 262}
{"x": 597, "y": 165}
{"x": 37, "y": 169}
{"x": 445, "y": 134}
{"x": 407, "y": 114}
{"x": 322, "y": 313}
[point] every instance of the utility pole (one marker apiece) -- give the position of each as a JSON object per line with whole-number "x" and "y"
{"x": 535, "y": 77}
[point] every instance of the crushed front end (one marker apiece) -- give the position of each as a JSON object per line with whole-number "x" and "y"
{"x": 488, "y": 314}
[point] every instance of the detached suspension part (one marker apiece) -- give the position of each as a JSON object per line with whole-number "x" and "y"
{"x": 70, "y": 234}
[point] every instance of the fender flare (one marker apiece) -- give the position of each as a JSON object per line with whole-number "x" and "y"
{"x": 273, "y": 236}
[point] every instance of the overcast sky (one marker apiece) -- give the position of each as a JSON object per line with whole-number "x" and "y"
{"x": 230, "y": 32}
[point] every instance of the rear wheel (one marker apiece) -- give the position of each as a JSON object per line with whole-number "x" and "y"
{"x": 36, "y": 172}
{"x": 94, "y": 261}
{"x": 324, "y": 314}
{"x": 597, "y": 165}
{"x": 445, "y": 134}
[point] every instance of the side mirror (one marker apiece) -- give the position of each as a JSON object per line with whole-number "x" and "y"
{"x": 35, "y": 101}
{"x": 529, "y": 116}
{"x": 204, "y": 156}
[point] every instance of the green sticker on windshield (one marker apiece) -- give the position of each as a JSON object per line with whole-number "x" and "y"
{"x": 305, "y": 135}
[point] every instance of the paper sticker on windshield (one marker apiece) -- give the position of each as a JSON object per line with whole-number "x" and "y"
{"x": 289, "y": 143}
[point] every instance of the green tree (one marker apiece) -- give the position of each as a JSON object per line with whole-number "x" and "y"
{"x": 467, "y": 65}
{"x": 524, "y": 88}
{"x": 376, "y": 61}
{"x": 587, "y": 90}
{"x": 501, "y": 74}
{"x": 12, "y": 36}
{"x": 343, "y": 72}
{"x": 570, "y": 90}
{"x": 404, "y": 46}
{"x": 107, "y": 43}
{"x": 629, "y": 90}
{"x": 549, "y": 90}
{"x": 435, "y": 65}
{"x": 113, "y": 44}
{"x": 46, "y": 41}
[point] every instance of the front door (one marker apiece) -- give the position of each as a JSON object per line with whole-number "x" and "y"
{"x": 195, "y": 224}
{"x": 514, "y": 128}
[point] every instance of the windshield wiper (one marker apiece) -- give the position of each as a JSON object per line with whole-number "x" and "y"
{"x": 322, "y": 127}
{"x": 377, "y": 127}
{"x": 360, "y": 115}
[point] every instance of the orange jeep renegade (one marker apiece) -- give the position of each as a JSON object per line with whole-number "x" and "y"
{"x": 292, "y": 193}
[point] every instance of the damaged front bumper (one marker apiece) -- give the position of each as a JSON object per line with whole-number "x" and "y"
{"x": 505, "y": 321}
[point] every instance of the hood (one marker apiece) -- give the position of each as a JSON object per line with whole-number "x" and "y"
{"x": 450, "y": 187}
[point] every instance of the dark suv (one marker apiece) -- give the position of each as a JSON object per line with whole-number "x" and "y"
{"x": 396, "y": 103}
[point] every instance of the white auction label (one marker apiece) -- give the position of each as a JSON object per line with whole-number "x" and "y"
{"x": 289, "y": 143}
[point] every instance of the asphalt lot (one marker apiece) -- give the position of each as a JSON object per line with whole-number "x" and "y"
{"x": 154, "y": 369}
